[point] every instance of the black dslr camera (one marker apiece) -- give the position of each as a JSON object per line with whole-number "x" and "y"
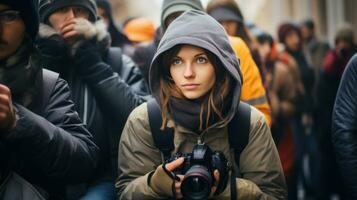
{"x": 198, "y": 169}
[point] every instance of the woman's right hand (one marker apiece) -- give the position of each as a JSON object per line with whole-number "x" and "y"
{"x": 171, "y": 166}
{"x": 162, "y": 179}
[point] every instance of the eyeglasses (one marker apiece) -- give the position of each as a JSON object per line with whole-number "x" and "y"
{"x": 9, "y": 16}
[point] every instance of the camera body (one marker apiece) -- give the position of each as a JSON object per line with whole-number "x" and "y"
{"x": 198, "y": 169}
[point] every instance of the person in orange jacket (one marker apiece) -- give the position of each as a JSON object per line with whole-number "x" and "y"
{"x": 253, "y": 91}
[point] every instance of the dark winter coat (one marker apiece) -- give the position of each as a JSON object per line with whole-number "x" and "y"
{"x": 104, "y": 94}
{"x": 49, "y": 144}
{"x": 344, "y": 129}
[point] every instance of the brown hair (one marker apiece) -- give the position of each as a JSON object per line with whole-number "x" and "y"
{"x": 214, "y": 100}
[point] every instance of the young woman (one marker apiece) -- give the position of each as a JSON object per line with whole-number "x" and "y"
{"x": 195, "y": 77}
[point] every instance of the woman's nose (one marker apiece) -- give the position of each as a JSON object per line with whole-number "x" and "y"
{"x": 189, "y": 72}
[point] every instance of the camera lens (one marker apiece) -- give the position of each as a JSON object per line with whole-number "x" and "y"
{"x": 197, "y": 183}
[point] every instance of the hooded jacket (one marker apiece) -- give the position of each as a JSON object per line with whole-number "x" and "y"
{"x": 140, "y": 173}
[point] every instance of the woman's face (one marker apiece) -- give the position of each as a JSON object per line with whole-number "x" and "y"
{"x": 192, "y": 72}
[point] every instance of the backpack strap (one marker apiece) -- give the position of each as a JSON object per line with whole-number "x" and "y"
{"x": 163, "y": 139}
{"x": 238, "y": 130}
{"x": 49, "y": 81}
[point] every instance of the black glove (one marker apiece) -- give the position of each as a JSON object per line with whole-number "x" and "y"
{"x": 88, "y": 61}
{"x": 54, "y": 46}
{"x": 53, "y": 51}
{"x": 85, "y": 54}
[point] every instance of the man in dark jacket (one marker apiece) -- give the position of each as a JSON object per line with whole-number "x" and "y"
{"x": 344, "y": 126}
{"x": 75, "y": 44}
{"x": 42, "y": 139}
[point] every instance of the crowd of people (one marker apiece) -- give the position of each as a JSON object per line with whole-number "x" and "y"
{"x": 201, "y": 107}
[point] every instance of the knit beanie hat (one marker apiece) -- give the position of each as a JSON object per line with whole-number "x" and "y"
{"x": 47, "y": 7}
{"x": 29, "y": 13}
{"x": 172, "y": 6}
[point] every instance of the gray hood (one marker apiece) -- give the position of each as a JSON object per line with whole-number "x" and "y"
{"x": 198, "y": 29}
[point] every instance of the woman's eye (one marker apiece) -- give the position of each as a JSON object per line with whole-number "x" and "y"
{"x": 176, "y": 61}
{"x": 201, "y": 60}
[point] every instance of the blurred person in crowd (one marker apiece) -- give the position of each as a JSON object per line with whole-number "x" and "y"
{"x": 196, "y": 49}
{"x": 337, "y": 58}
{"x": 314, "y": 49}
{"x": 303, "y": 120}
{"x": 253, "y": 91}
{"x": 118, "y": 38}
{"x": 228, "y": 14}
{"x": 144, "y": 52}
{"x": 105, "y": 83}
{"x": 43, "y": 143}
{"x": 278, "y": 80}
{"x": 140, "y": 30}
{"x": 282, "y": 93}
{"x": 344, "y": 128}
{"x": 333, "y": 66}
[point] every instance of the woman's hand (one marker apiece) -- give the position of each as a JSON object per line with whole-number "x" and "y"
{"x": 177, "y": 163}
{"x": 171, "y": 167}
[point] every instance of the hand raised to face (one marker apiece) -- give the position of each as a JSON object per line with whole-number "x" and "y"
{"x": 7, "y": 111}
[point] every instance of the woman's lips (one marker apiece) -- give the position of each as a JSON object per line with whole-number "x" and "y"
{"x": 190, "y": 86}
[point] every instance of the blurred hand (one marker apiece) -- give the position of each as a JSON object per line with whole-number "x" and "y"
{"x": 7, "y": 111}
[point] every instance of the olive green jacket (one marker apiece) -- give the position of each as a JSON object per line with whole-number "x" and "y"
{"x": 139, "y": 160}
